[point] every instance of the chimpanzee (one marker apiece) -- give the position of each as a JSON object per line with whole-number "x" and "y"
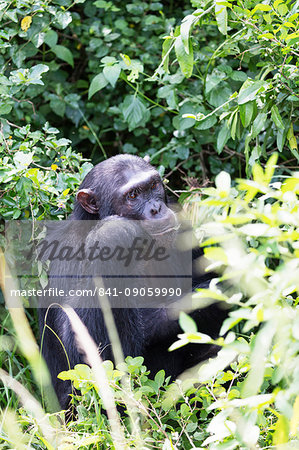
{"x": 121, "y": 188}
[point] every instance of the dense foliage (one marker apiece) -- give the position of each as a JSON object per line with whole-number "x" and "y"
{"x": 223, "y": 96}
{"x": 248, "y": 395}
{"x": 207, "y": 89}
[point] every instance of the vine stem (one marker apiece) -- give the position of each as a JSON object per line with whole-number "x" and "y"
{"x": 94, "y": 134}
{"x": 149, "y": 99}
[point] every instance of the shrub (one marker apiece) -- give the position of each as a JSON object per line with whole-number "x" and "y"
{"x": 223, "y": 96}
{"x": 39, "y": 173}
{"x": 248, "y": 395}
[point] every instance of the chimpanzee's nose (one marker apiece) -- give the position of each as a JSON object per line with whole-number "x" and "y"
{"x": 155, "y": 208}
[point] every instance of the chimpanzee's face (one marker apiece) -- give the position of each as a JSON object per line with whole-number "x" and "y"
{"x": 125, "y": 186}
{"x": 141, "y": 197}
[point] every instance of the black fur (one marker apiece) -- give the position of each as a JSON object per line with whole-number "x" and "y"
{"x": 146, "y": 332}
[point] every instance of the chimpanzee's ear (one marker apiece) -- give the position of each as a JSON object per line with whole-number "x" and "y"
{"x": 87, "y": 199}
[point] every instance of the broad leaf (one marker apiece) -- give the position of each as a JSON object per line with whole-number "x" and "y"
{"x": 185, "y": 30}
{"x": 185, "y": 59}
{"x": 258, "y": 124}
{"x": 246, "y": 113}
{"x": 276, "y": 117}
{"x": 111, "y": 73}
{"x": 187, "y": 323}
{"x": 221, "y": 17}
{"x": 222, "y": 138}
{"x": 249, "y": 90}
{"x": 134, "y": 111}
{"x": 165, "y": 55}
{"x": 63, "y": 18}
{"x": 51, "y": 38}
{"x": 64, "y": 54}
{"x": 22, "y": 160}
{"x": 97, "y": 83}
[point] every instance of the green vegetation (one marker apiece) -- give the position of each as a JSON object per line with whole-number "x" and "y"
{"x": 210, "y": 90}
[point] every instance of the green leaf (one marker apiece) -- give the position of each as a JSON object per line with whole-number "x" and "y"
{"x": 97, "y": 83}
{"x": 169, "y": 93}
{"x": 238, "y": 75}
{"x": 165, "y": 49}
{"x": 209, "y": 370}
{"x": 108, "y": 60}
{"x": 187, "y": 323}
{"x": 111, "y": 73}
{"x": 181, "y": 123}
{"x": 58, "y": 106}
{"x": 63, "y": 18}
{"x": 266, "y": 36}
{"x": 134, "y": 111}
{"x": 185, "y": 59}
{"x": 291, "y": 138}
{"x": 38, "y": 39}
{"x": 221, "y": 17}
{"x": 276, "y": 117}
{"x": 64, "y": 54}
{"x": 283, "y": 9}
{"x": 5, "y": 108}
{"x": 36, "y": 71}
{"x": 207, "y": 123}
{"x": 233, "y": 128}
{"x": 22, "y": 160}
{"x": 246, "y": 113}
{"x": 185, "y": 30}
{"x": 159, "y": 378}
{"x": 281, "y": 138}
{"x": 258, "y": 124}
{"x": 106, "y": 5}
{"x": 222, "y": 138}
{"x": 249, "y": 90}
{"x": 51, "y": 38}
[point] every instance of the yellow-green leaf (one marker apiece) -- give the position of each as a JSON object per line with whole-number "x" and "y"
{"x": 126, "y": 59}
{"x": 216, "y": 254}
{"x": 292, "y": 139}
{"x": 166, "y": 49}
{"x": 270, "y": 167}
{"x": 266, "y": 36}
{"x": 281, "y": 435}
{"x": 26, "y": 22}
{"x": 283, "y": 9}
{"x": 276, "y": 3}
{"x": 295, "y": 419}
{"x": 292, "y": 36}
{"x": 258, "y": 174}
{"x": 261, "y": 7}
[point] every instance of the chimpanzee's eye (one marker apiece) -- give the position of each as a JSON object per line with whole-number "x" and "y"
{"x": 154, "y": 185}
{"x": 131, "y": 195}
